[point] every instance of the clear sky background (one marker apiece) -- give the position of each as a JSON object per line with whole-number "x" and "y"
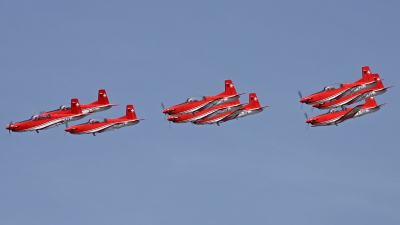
{"x": 263, "y": 169}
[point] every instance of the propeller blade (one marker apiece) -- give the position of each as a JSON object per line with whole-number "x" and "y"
{"x": 162, "y": 105}
{"x": 306, "y": 115}
{"x": 300, "y": 95}
{"x": 9, "y": 131}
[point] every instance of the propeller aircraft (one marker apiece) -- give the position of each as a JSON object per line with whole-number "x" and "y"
{"x": 205, "y": 102}
{"x": 253, "y": 107}
{"x": 335, "y": 117}
{"x": 211, "y": 112}
{"x": 46, "y": 120}
{"x": 356, "y": 97}
{"x": 331, "y": 93}
{"x": 95, "y": 126}
{"x": 101, "y": 104}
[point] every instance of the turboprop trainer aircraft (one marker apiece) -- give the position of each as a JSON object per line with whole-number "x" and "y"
{"x": 193, "y": 105}
{"x": 253, "y": 107}
{"x": 330, "y": 93}
{"x": 94, "y": 126}
{"x": 334, "y": 117}
{"x": 47, "y": 120}
{"x": 211, "y": 112}
{"x": 356, "y": 97}
{"x": 101, "y": 104}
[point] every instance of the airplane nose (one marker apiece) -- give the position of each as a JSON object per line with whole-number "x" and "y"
{"x": 168, "y": 111}
{"x": 311, "y": 120}
{"x": 69, "y": 129}
{"x": 8, "y": 127}
{"x": 305, "y": 100}
{"x": 172, "y": 118}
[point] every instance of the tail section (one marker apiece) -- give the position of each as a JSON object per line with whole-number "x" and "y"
{"x": 130, "y": 112}
{"x": 377, "y": 78}
{"x": 366, "y": 74}
{"x": 369, "y": 106}
{"x": 365, "y": 70}
{"x": 370, "y": 103}
{"x": 229, "y": 88}
{"x": 102, "y": 97}
{"x": 75, "y": 106}
{"x": 253, "y": 101}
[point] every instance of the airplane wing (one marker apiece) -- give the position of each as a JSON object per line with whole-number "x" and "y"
{"x": 102, "y": 129}
{"x": 350, "y": 114}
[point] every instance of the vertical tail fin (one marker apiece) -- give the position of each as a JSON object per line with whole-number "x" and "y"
{"x": 229, "y": 88}
{"x": 366, "y": 74}
{"x": 130, "y": 112}
{"x": 75, "y": 106}
{"x": 377, "y": 78}
{"x": 365, "y": 70}
{"x": 370, "y": 103}
{"x": 253, "y": 101}
{"x": 102, "y": 97}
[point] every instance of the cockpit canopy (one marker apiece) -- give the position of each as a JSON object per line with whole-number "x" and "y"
{"x": 64, "y": 107}
{"x": 97, "y": 120}
{"x": 344, "y": 108}
{"x": 332, "y": 87}
{"x": 196, "y": 98}
{"x": 42, "y": 115}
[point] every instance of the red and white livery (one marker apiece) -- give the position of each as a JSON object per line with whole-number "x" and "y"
{"x": 46, "y": 120}
{"x": 334, "y": 117}
{"x": 359, "y": 96}
{"x": 94, "y": 126}
{"x": 331, "y": 93}
{"x": 193, "y": 105}
{"x": 253, "y": 107}
{"x": 101, "y": 104}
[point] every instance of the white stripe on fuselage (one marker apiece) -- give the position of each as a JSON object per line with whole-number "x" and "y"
{"x": 329, "y": 98}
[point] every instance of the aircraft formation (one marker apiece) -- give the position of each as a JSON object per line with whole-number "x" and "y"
{"x": 64, "y": 114}
{"x": 364, "y": 89}
{"x": 215, "y": 109}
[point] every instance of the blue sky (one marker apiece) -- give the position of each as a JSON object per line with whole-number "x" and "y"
{"x": 263, "y": 169}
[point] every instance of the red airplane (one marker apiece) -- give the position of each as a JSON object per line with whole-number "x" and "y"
{"x": 335, "y": 117}
{"x": 356, "y": 97}
{"x": 47, "y": 120}
{"x": 332, "y": 93}
{"x": 211, "y": 112}
{"x": 253, "y": 107}
{"x": 101, "y": 104}
{"x": 94, "y": 126}
{"x": 193, "y": 105}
